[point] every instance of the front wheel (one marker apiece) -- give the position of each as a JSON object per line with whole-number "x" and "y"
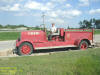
{"x": 25, "y": 49}
{"x": 83, "y": 45}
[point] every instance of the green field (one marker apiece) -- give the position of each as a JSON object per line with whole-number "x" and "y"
{"x": 97, "y": 31}
{"x": 63, "y": 63}
{"x": 9, "y": 35}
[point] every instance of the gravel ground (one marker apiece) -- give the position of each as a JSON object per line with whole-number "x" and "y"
{"x": 97, "y": 38}
{"x": 4, "y": 45}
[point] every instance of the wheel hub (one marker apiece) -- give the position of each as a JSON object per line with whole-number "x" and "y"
{"x": 83, "y": 46}
{"x": 25, "y": 49}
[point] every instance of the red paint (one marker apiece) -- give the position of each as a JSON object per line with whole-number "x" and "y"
{"x": 25, "y": 49}
{"x": 39, "y": 39}
{"x": 83, "y": 46}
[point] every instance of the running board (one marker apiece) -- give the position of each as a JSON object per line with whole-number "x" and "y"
{"x": 55, "y": 47}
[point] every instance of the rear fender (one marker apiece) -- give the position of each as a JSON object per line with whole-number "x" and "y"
{"x": 77, "y": 42}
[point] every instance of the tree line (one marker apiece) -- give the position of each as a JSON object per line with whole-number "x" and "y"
{"x": 18, "y": 26}
{"x": 12, "y": 26}
{"x": 92, "y": 23}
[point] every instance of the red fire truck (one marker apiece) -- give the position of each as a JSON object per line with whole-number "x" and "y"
{"x": 30, "y": 41}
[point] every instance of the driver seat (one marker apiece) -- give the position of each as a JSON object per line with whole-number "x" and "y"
{"x": 57, "y": 32}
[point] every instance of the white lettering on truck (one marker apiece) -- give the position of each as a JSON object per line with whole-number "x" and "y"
{"x": 33, "y": 33}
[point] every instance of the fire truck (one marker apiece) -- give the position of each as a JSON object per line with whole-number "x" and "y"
{"x": 30, "y": 41}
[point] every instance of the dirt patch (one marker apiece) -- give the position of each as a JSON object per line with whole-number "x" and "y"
{"x": 6, "y": 52}
{"x": 97, "y": 38}
{"x": 97, "y": 44}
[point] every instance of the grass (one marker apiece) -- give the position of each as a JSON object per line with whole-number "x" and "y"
{"x": 63, "y": 63}
{"x": 9, "y": 35}
{"x": 97, "y": 31}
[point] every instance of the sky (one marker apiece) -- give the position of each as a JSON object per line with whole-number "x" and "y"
{"x": 63, "y": 13}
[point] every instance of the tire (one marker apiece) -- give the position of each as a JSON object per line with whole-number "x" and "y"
{"x": 25, "y": 49}
{"x": 83, "y": 45}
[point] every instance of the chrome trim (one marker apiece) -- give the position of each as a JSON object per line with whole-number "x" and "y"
{"x": 55, "y": 47}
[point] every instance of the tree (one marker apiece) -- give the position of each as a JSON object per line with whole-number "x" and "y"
{"x": 92, "y": 23}
{"x": 97, "y": 23}
{"x": 68, "y": 27}
{"x": 81, "y": 24}
{"x": 85, "y": 24}
{"x": 1, "y": 26}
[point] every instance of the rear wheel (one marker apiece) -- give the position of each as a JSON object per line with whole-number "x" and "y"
{"x": 83, "y": 45}
{"x": 25, "y": 49}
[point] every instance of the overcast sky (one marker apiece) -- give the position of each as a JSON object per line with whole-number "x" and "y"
{"x": 63, "y": 13}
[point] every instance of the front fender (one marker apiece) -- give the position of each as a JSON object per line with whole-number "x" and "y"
{"x": 18, "y": 43}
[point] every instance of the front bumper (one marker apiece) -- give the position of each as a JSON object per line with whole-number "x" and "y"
{"x": 15, "y": 50}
